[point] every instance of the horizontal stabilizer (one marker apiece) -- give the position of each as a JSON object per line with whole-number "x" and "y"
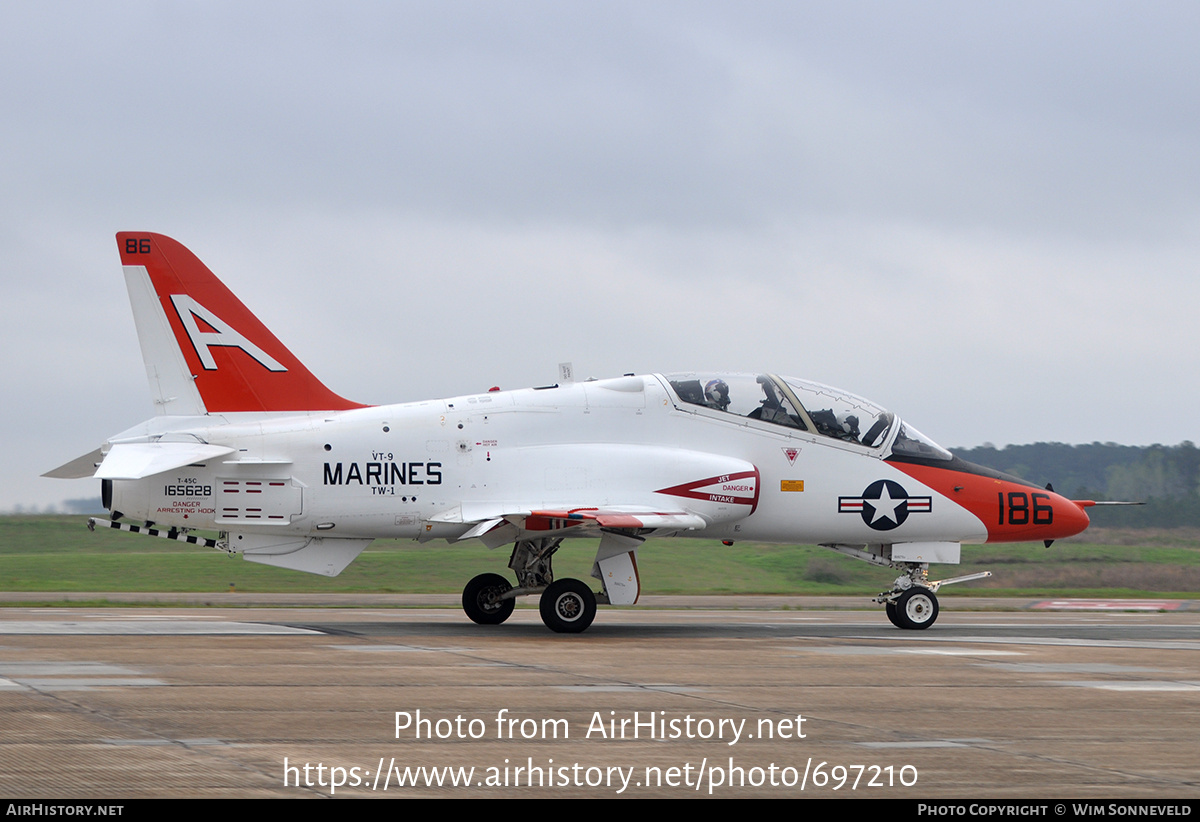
{"x": 78, "y": 468}
{"x": 137, "y": 460}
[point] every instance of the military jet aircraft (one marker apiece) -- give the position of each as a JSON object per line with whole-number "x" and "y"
{"x": 246, "y": 442}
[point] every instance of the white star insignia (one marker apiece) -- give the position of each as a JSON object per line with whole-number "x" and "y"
{"x": 885, "y": 507}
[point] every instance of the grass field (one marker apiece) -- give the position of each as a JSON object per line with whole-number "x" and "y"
{"x": 59, "y": 554}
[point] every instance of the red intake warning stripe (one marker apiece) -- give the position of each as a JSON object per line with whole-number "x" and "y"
{"x": 735, "y": 489}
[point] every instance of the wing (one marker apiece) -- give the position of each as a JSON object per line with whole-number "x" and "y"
{"x": 658, "y": 491}
{"x": 508, "y": 522}
{"x": 622, "y": 518}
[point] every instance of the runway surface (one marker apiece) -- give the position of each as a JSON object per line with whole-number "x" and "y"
{"x": 302, "y": 702}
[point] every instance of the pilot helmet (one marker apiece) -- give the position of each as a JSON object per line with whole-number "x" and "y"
{"x": 848, "y": 423}
{"x": 716, "y": 392}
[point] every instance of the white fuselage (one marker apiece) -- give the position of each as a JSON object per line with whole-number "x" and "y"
{"x": 428, "y": 469}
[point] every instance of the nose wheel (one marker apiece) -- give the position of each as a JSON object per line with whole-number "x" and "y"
{"x": 912, "y": 603}
{"x": 915, "y": 609}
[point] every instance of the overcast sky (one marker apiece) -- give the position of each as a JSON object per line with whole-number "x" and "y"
{"x": 985, "y": 217}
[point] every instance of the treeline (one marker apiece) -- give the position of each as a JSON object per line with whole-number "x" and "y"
{"x": 1165, "y": 477}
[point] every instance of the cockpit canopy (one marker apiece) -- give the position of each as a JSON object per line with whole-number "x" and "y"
{"x": 805, "y": 406}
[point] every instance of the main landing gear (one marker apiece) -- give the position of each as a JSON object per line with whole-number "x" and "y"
{"x": 567, "y": 606}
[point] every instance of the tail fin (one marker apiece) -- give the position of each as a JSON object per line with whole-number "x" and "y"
{"x": 204, "y": 350}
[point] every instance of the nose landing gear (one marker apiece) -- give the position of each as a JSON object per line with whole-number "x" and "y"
{"x": 915, "y": 609}
{"x": 912, "y": 603}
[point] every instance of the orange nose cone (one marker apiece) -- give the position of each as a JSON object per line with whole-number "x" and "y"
{"x": 1070, "y": 518}
{"x": 1024, "y": 514}
{"x": 1011, "y": 509}
{"x": 1019, "y": 513}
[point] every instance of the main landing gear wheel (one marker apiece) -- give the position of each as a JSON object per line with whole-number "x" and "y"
{"x": 568, "y": 606}
{"x": 481, "y": 599}
{"x": 916, "y": 609}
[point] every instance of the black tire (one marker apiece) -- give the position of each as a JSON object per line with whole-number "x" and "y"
{"x": 890, "y": 607}
{"x": 568, "y": 606}
{"x": 481, "y": 599}
{"x": 916, "y": 609}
